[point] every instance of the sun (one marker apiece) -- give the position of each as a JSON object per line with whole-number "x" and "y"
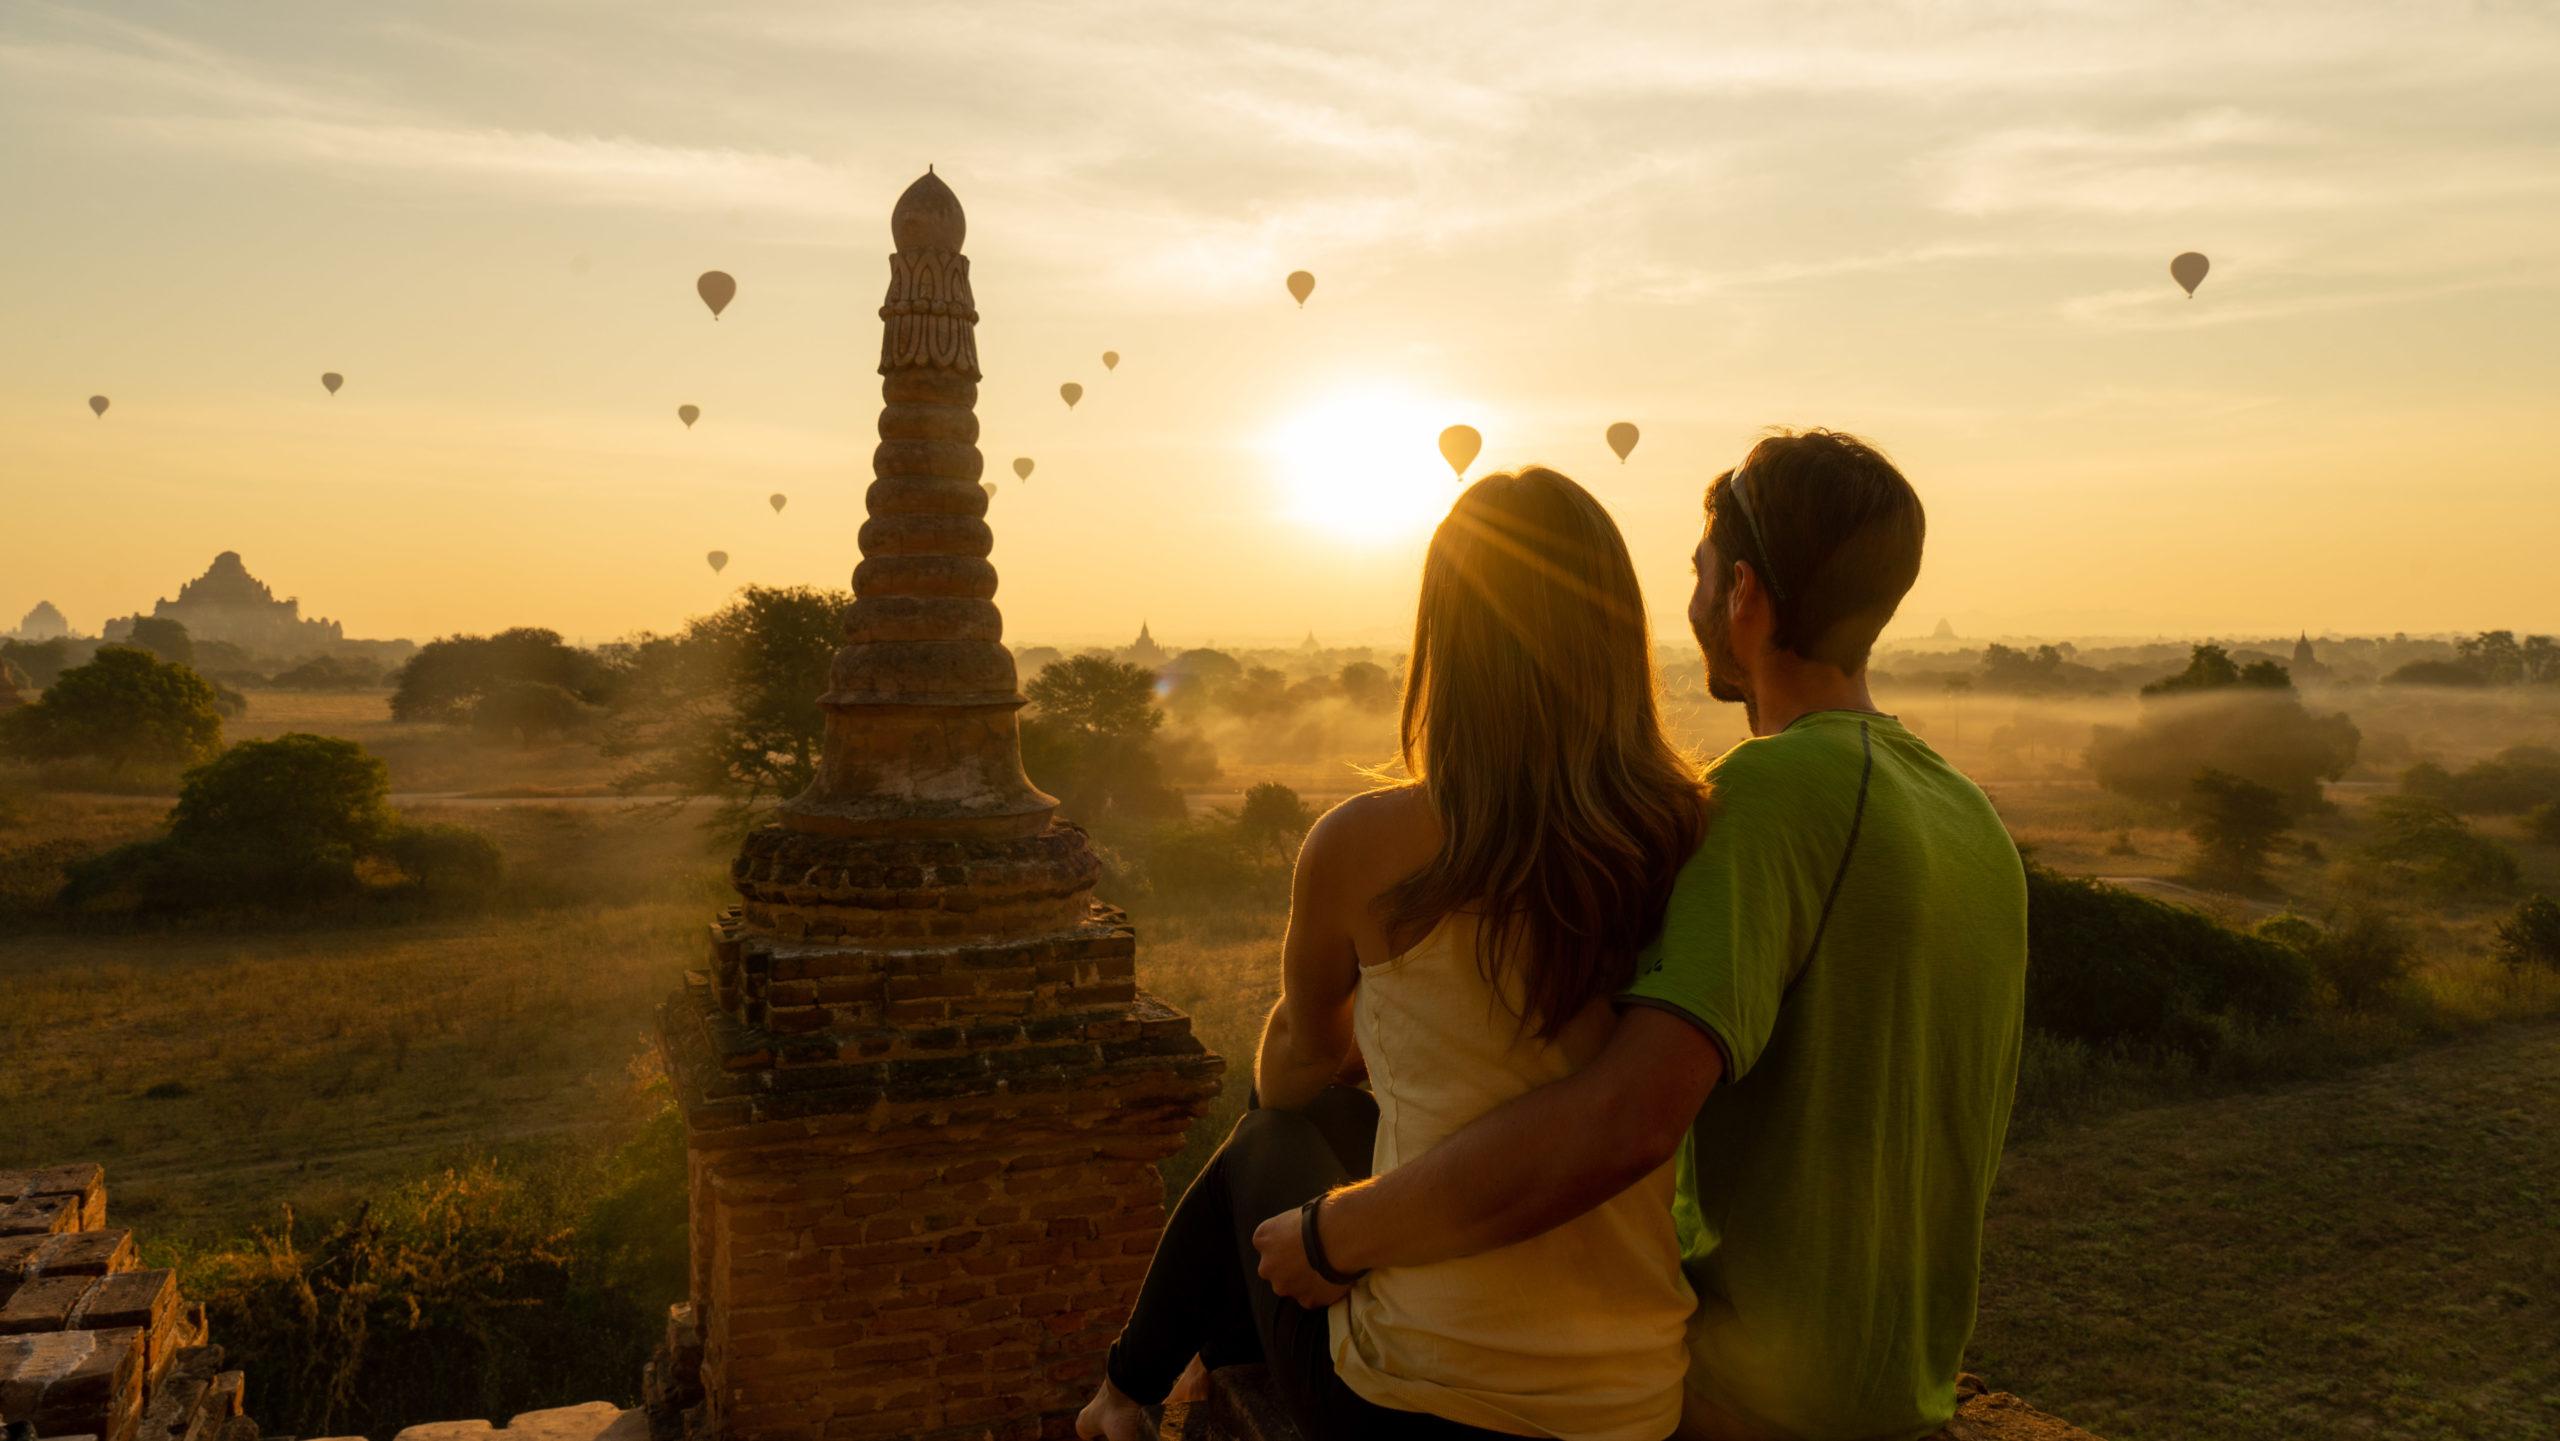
{"x": 1362, "y": 463}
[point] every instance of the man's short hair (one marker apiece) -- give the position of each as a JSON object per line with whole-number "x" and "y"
{"x": 1843, "y": 532}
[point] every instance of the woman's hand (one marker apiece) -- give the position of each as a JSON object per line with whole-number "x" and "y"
{"x": 1281, "y": 1240}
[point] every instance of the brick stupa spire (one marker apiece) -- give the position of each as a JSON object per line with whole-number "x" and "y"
{"x": 924, "y": 1098}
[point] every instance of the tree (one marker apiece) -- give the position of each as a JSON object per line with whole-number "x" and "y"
{"x": 1273, "y": 820}
{"x": 730, "y": 706}
{"x": 2262, "y": 735}
{"x": 328, "y": 672}
{"x": 2211, "y": 668}
{"x": 294, "y": 821}
{"x": 2531, "y": 935}
{"x": 1090, "y": 739}
{"x": 530, "y": 711}
{"x": 2420, "y": 844}
{"x": 163, "y": 637}
{"x": 443, "y": 680}
{"x": 2363, "y": 957}
{"x": 124, "y": 707}
{"x": 2544, "y": 824}
{"x": 1367, "y": 686}
{"x": 2236, "y": 822}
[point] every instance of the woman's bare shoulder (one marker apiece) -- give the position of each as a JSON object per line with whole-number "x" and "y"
{"x": 1390, "y": 831}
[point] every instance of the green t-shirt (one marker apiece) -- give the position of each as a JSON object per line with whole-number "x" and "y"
{"x": 1852, "y": 934}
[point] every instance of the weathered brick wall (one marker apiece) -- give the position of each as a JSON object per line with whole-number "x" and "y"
{"x": 91, "y": 1344}
{"x": 924, "y": 1184}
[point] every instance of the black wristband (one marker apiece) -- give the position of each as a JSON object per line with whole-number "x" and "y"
{"x": 1314, "y": 1243}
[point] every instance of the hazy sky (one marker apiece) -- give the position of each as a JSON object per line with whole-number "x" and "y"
{"x": 1943, "y": 225}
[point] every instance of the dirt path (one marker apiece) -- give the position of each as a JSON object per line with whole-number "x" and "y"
{"x": 2375, "y": 1255}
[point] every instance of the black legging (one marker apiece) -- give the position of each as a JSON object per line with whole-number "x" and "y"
{"x": 1204, "y": 1294}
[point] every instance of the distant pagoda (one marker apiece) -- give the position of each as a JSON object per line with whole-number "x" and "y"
{"x": 45, "y": 622}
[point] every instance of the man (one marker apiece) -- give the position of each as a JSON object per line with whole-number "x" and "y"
{"x": 1827, "y": 1025}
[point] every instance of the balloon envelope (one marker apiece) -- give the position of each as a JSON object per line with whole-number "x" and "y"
{"x": 331, "y": 381}
{"x": 688, "y": 414}
{"x": 1301, "y": 285}
{"x": 1458, "y": 446}
{"x": 719, "y": 561}
{"x": 1111, "y": 360}
{"x": 1022, "y": 467}
{"x": 989, "y": 487}
{"x": 717, "y": 290}
{"x": 97, "y": 405}
{"x": 1622, "y": 438}
{"x": 777, "y": 500}
{"x": 1072, "y": 393}
{"x": 2188, "y": 270}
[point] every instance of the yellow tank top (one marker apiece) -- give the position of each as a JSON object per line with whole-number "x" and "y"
{"x": 1577, "y": 1334}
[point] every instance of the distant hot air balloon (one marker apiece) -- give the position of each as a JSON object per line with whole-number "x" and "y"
{"x": 717, "y": 290}
{"x": 719, "y": 561}
{"x": 1622, "y": 438}
{"x": 2188, "y": 270}
{"x": 1071, "y": 393}
{"x": 98, "y": 406}
{"x": 989, "y": 487}
{"x": 1022, "y": 467}
{"x": 1111, "y": 360}
{"x": 1301, "y": 285}
{"x": 777, "y": 500}
{"x": 1458, "y": 446}
{"x": 331, "y": 381}
{"x": 688, "y": 414}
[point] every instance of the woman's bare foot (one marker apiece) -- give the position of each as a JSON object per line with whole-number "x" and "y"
{"x": 1193, "y": 1385}
{"x": 1112, "y": 1416}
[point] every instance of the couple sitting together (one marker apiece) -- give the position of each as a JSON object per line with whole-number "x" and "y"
{"x": 1683, "y": 1095}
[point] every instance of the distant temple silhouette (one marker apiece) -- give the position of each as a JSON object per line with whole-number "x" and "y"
{"x": 1145, "y": 651}
{"x": 228, "y": 604}
{"x": 45, "y": 622}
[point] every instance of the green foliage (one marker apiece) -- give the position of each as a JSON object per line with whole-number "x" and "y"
{"x": 2530, "y": 935}
{"x": 2258, "y": 734}
{"x": 2436, "y": 673}
{"x": 1273, "y": 820}
{"x": 2235, "y": 822}
{"x": 2363, "y": 958}
{"x": 124, "y": 707}
{"x": 528, "y": 712}
{"x": 2112, "y": 968}
{"x": 446, "y": 677}
{"x": 328, "y": 673}
{"x": 43, "y": 661}
{"x": 1090, "y": 740}
{"x": 2544, "y": 824}
{"x": 283, "y": 824}
{"x": 163, "y": 637}
{"x": 474, "y": 1291}
{"x": 2295, "y": 933}
{"x": 2515, "y": 780}
{"x": 1367, "y": 686}
{"x": 730, "y": 706}
{"x": 2419, "y": 845}
{"x": 2210, "y": 668}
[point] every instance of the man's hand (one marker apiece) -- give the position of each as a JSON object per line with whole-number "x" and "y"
{"x": 1282, "y": 1242}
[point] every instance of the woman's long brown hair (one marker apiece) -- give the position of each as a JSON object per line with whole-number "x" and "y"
{"x": 1531, "y": 724}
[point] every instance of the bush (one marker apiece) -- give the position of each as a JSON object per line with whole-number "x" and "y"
{"x": 447, "y": 862}
{"x": 123, "y": 707}
{"x": 474, "y": 1291}
{"x": 2263, "y": 735}
{"x": 2544, "y": 824}
{"x": 2363, "y": 958}
{"x": 2531, "y": 935}
{"x": 2235, "y": 823}
{"x": 322, "y": 673}
{"x": 2420, "y": 845}
{"x": 527, "y": 711}
{"x": 2109, "y": 967}
{"x": 2517, "y": 779}
{"x": 446, "y": 677}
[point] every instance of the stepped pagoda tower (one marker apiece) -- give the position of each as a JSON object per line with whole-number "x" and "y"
{"x": 924, "y": 1098}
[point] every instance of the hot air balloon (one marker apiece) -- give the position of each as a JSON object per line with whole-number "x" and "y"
{"x": 1458, "y": 446}
{"x": 1622, "y": 438}
{"x": 989, "y": 487}
{"x": 688, "y": 414}
{"x": 1071, "y": 393}
{"x": 1022, "y": 467}
{"x": 777, "y": 500}
{"x": 719, "y": 561}
{"x": 1301, "y": 285}
{"x": 98, "y": 406}
{"x": 331, "y": 381}
{"x": 717, "y": 290}
{"x": 1111, "y": 360}
{"x": 2188, "y": 270}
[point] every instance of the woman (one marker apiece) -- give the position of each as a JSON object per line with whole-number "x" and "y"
{"x": 1459, "y": 936}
